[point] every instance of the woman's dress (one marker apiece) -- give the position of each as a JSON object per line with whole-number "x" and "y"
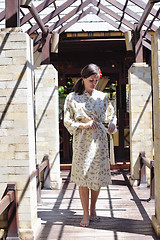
{"x": 90, "y": 163}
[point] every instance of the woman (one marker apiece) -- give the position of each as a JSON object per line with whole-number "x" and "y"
{"x": 85, "y": 111}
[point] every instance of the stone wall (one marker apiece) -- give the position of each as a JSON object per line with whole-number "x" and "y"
{"x": 156, "y": 111}
{"x": 17, "y": 135}
{"x": 140, "y": 110}
{"x": 47, "y": 119}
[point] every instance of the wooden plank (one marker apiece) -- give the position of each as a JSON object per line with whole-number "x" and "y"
{"x": 142, "y": 5}
{"x": 2, "y": 15}
{"x": 39, "y": 8}
{"x": 123, "y": 210}
{"x": 69, "y": 15}
{"x": 74, "y": 20}
{"x": 109, "y": 20}
{"x": 63, "y": 20}
{"x": 131, "y": 13}
{"x": 51, "y": 15}
{"x": 12, "y": 12}
{"x": 37, "y": 18}
{"x": 113, "y": 14}
{"x": 144, "y": 16}
{"x": 4, "y": 203}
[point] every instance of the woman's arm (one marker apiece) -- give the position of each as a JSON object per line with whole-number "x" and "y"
{"x": 69, "y": 121}
{"x": 110, "y": 117}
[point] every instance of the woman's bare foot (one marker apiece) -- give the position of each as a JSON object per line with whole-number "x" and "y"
{"x": 85, "y": 221}
{"x": 93, "y": 216}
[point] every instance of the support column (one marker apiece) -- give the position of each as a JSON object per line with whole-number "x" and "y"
{"x": 156, "y": 112}
{"x": 47, "y": 119}
{"x": 140, "y": 108}
{"x": 17, "y": 135}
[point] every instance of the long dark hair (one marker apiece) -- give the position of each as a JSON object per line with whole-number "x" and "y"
{"x": 86, "y": 72}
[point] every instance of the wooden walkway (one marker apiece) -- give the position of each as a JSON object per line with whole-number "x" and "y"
{"x": 124, "y": 212}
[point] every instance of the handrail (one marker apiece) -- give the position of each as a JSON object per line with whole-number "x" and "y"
{"x": 39, "y": 168}
{"x": 6, "y": 200}
{"x": 9, "y": 201}
{"x": 144, "y": 162}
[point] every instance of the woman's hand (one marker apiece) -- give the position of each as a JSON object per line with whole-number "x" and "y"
{"x": 91, "y": 124}
{"x": 111, "y": 128}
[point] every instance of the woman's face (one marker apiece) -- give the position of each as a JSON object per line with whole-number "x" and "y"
{"x": 90, "y": 82}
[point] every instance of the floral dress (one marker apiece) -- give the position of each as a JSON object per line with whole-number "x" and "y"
{"x": 90, "y": 163}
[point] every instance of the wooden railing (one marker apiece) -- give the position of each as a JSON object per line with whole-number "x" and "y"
{"x": 46, "y": 181}
{"x": 9, "y": 203}
{"x": 150, "y": 164}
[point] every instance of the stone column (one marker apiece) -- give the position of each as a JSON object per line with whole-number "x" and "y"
{"x": 47, "y": 119}
{"x": 156, "y": 112}
{"x": 17, "y": 135}
{"x": 140, "y": 108}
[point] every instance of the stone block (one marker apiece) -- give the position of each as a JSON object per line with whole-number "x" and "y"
{"x": 6, "y": 61}
{"x": 14, "y": 53}
{"x": 16, "y": 83}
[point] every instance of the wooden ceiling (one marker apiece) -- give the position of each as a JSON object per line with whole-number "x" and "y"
{"x": 75, "y": 51}
{"x": 94, "y": 6}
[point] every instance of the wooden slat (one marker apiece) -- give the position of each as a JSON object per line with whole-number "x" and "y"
{"x": 113, "y": 14}
{"x": 145, "y": 14}
{"x": 52, "y": 15}
{"x": 131, "y": 13}
{"x": 63, "y": 20}
{"x": 37, "y": 18}
{"x": 146, "y": 162}
{"x": 2, "y": 15}
{"x": 39, "y": 8}
{"x": 146, "y": 44}
{"x": 123, "y": 210}
{"x": 69, "y": 15}
{"x": 4, "y": 203}
{"x": 43, "y": 165}
{"x": 76, "y": 19}
{"x": 108, "y": 20}
{"x": 142, "y": 5}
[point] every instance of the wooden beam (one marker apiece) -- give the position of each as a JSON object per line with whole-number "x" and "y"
{"x": 112, "y": 14}
{"x": 145, "y": 14}
{"x": 2, "y": 15}
{"x": 46, "y": 40}
{"x": 37, "y": 18}
{"x": 76, "y": 19}
{"x": 63, "y": 20}
{"x": 146, "y": 44}
{"x": 12, "y": 12}
{"x": 108, "y": 20}
{"x": 131, "y": 13}
{"x": 138, "y": 45}
{"x": 39, "y": 8}
{"x": 142, "y": 5}
{"x": 51, "y": 15}
{"x": 69, "y": 15}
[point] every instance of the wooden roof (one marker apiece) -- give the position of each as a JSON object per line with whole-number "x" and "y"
{"x": 121, "y": 15}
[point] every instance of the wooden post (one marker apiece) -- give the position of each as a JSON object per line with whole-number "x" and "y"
{"x": 38, "y": 184}
{"x": 138, "y": 45}
{"x": 46, "y": 173}
{"x": 12, "y": 216}
{"x": 12, "y": 13}
{"x": 46, "y": 40}
{"x": 152, "y": 194}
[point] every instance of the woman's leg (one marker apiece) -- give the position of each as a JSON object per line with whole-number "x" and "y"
{"x": 94, "y": 196}
{"x": 84, "y": 196}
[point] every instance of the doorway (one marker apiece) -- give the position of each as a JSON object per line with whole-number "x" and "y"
{"x": 108, "y": 51}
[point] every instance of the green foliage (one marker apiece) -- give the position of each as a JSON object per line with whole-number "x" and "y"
{"x": 64, "y": 90}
